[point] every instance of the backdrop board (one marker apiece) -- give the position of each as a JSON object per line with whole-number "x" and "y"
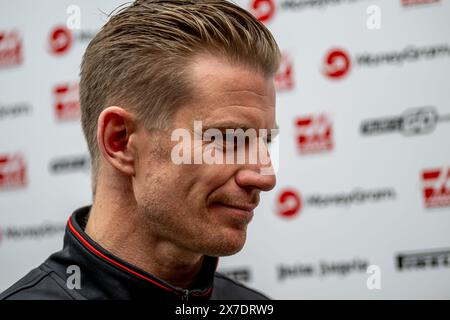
{"x": 362, "y": 203}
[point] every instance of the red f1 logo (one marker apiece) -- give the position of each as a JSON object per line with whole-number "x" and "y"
{"x": 12, "y": 171}
{"x": 284, "y": 79}
{"x": 10, "y": 49}
{"x": 314, "y": 134}
{"x": 436, "y": 188}
{"x": 67, "y": 105}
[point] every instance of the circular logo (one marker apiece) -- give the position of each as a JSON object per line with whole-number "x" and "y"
{"x": 337, "y": 63}
{"x": 289, "y": 203}
{"x": 60, "y": 40}
{"x": 419, "y": 120}
{"x": 263, "y": 10}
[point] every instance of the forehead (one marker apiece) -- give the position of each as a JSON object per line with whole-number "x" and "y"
{"x": 231, "y": 93}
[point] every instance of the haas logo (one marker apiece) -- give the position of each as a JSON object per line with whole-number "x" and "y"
{"x": 263, "y": 10}
{"x": 61, "y": 40}
{"x": 67, "y": 105}
{"x": 12, "y": 171}
{"x": 314, "y": 134}
{"x": 284, "y": 79}
{"x": 10, "y": 49}
{"x": 289, "y": 203}
{"x": 436, "y": 188}
{"x": 336, "y": 64}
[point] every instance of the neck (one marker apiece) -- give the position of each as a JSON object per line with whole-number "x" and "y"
{"x": 119, "y": 228}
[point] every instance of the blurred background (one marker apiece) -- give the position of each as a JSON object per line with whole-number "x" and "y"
{"x": 362, "y": 205}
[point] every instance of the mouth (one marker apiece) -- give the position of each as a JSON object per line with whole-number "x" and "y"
{"x": 241, "y": 212}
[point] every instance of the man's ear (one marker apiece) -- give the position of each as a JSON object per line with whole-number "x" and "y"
{"x": 115, "y": 126}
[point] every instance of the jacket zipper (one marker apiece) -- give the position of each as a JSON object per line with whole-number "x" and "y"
{"x": 185, "y": 295}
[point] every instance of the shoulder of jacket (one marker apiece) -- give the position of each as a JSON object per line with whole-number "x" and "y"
{"x": 39, "y": 284}
{"x": 228, "y": 289}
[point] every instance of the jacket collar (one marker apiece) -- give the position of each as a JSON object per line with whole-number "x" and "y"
{"x": 104, "y": 275}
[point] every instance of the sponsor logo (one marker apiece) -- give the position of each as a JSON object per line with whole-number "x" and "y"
{"x": 62, "y": 39}
{"x": 238, "y": 274}
{"x": 337, "y": 62}
{"x": 409, "y": 3}
{"x": 414, "y": 121}
{"x": 14, "y": 110}
{"x": 284, "y": 79}
{"x": 67, "y": 105}
{"x": 322, "y": 269}
{"x": 45, "y": 230}
{"x": 264, "y": 10}
{"x": 11, "y": 54}
{"x": 421, "y": 260}
{"x": 290, "y": 202}
{"x": 70, "y": 164}
{"x": 314, "y": 134}
{"x": 13, "y": 171}
{"x": 436, "y": 187}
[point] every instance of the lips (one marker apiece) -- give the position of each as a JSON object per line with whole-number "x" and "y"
{"x": 243, "y": 207}
{"x": 240, "y": 213}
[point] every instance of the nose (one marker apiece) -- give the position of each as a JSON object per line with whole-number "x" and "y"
{"x": 248, "y": 178}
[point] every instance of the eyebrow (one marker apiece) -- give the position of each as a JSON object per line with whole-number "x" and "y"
{"x": 233, "y": 125}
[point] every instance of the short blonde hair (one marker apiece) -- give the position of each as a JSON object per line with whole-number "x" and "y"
{"x": 138, "y": 58}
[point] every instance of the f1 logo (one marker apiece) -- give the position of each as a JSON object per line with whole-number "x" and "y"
{"x": 10, "y": 49}
{"x": 284, "y": 79}
{"x": 67, "y": 105}
{"x": 12, "y": 171}
{"x": 436, "y": 188}
{"x": 315, "y": 134}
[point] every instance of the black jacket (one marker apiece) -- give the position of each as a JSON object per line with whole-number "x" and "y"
{"x": 104, "y": 276}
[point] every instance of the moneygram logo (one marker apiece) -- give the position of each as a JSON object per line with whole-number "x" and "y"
{"x": 10, "y": 49}
{"x": 414, "y": 121}
{"x": 284, "y": 79}
{"x": 61, "y": 40}
{"x": 436, "y": 187}
{"x": 263, "y": 10}
{"x": 13, "y": 171}
{"x": 314, "y": 134}
{"x": 336, "y": 63}
{"x": 66, "y": 101}
{"x": 290, "y": 203}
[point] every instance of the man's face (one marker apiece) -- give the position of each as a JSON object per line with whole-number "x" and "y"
{"x": 205, "y": 208}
